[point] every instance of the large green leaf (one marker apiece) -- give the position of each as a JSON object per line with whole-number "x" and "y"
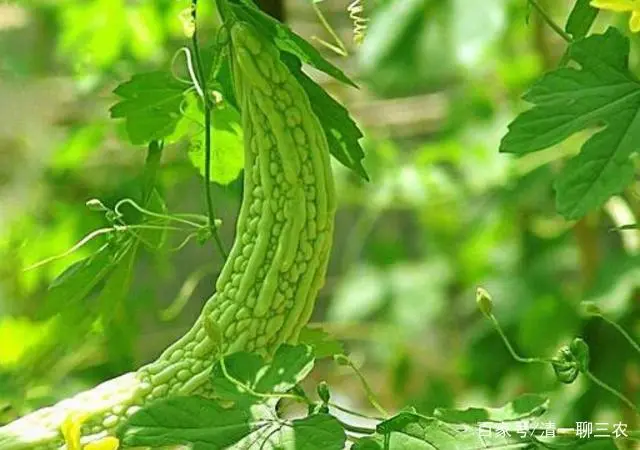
{"x": 150, "y": 105}
{"x": 204, "y": 424}
{"x": 197, "y": 421}
{"x": 602, "y": 92}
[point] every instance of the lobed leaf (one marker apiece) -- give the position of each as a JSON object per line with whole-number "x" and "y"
{"x": 602, "y": 92}
{"x": 151, "y": 105}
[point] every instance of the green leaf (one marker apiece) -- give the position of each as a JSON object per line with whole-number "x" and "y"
{"x": 118, "y": 282}
{"x": 320, "y": 431}
{"x": 581, "y": 18}
{"x": 224, "y": 84}
{"x": 289, "y": 366}
{"x": 369, "y": 443}
{"x": 227, "y": 147}
{"x": 204, "y": 424}
{"x": 186, "y": 420}
{"x": 151, "y": 167}
{"x": 287, "y": 40}
{"x": 73, "y": 285}
{"x": 411, "y": 431}
{"x": 324, "y": 345}
{"x": 242, "y": 367}
{"x": 525, "y": 406}
{"x": 341, "y": 131}
{"x": 150, "y": 106}
{"x": 316, "y": 432}
{"x": 601, "y": 92}
{"x": 223, "y": 80}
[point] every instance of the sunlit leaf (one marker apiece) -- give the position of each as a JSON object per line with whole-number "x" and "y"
{"x": 324, "y": 345}
{"x": 151, "y": 105}
{"x": 602, "y": 92}
{"x": 184, "y": 420}
{"x": 289, "y": 366}
{"x": 227, "y": 146}
{"x": 525, "y": 406}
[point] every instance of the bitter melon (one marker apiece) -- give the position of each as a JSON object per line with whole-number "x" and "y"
{"x": 267, "y": 288}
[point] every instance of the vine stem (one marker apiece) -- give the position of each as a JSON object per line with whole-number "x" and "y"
{"x": 344, "y": 360}
{"x": 512, "y": 351}
{"x": 549, "y": 21}
{"x": 623, "y": 332}
{"x": 207, "y": 129}
{"x": 612, "y": 391}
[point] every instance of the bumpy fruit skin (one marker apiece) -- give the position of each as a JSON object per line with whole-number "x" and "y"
{"x": 267, "y": 288}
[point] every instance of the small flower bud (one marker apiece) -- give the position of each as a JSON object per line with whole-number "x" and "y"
{"x": 341, "y": 360}
{"x": 484, "y": 302}
{"x": 590, "y": 309}
{"x": 96, "y": 205}
{"x": 323, "y": 391}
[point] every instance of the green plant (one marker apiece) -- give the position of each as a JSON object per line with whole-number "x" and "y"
{"x": 227, "y": 383}
{"x": 266, "y": 291}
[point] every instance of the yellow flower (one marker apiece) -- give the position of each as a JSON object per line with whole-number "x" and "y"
{"x": 632, "y": 6}
{"x": 107, "y": 443}
{"x": 71, "y": 428}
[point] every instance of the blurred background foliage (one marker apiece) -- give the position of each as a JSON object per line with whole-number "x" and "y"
{"x": 444, "y": 211}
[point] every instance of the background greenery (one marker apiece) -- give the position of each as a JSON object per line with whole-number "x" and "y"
{"x": 444, "y": 212}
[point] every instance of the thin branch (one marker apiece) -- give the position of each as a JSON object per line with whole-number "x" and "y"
{"x": 549, "y": 21}
{"x": 612, "y": 391}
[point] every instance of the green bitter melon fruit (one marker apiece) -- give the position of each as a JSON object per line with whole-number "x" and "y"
{"x": 267, "y": 288}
